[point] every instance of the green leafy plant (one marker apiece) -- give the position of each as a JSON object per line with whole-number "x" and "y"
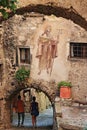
{"x": 64, "y": 83}
{"x": 7, "y": 4}
{"x": 85, "y": 127}
{"x": 22, "y": 74}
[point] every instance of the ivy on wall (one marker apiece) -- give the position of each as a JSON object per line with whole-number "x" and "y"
{"x": 7, "y": 4}
{"x": 22, "y": 74}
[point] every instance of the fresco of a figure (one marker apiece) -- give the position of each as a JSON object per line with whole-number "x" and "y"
{"x": 47, "y": 50}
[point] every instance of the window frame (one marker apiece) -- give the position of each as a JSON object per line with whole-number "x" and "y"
{"x": 19, "y": 55}
{"x": 78, "y": 50}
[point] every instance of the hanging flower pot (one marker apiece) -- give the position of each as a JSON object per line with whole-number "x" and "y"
{"x": 65, "y": 89}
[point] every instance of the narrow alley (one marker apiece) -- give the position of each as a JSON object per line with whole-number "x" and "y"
{"x": 44, "y": 121}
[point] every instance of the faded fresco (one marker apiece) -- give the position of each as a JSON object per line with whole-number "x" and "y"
{"x": 47, "y": 50}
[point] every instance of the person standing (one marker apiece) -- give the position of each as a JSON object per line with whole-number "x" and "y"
{"x": 34, "y": 110}
{"x": 20, "y": 111}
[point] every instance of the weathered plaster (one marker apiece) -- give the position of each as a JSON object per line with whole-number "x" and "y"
{"x": 30, "y": 29}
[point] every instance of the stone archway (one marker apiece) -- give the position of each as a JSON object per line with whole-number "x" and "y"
{"x": 49, "y": 9}
{"x": 48, "y": 88}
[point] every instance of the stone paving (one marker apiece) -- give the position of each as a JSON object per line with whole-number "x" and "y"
{"x": 76, "y": 116}
{"x": 73, "y": 117}
{"x": 30, "y": 128}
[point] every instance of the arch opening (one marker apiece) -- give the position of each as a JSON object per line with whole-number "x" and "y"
{"x": 47, "y": 111}
{"x": 45, "y": 118}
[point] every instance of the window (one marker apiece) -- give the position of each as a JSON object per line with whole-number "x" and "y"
{"x": 24, "y": 56}
{"x": 78, "y": 50}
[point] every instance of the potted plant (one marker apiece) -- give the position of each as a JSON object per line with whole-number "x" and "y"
{"x": 22, "y": 74}
{"x": 65, "y": 89}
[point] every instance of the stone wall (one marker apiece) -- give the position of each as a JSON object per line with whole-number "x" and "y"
{"x": 25, "y": 30}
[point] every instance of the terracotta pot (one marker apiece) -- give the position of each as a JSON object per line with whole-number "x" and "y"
{"x": 65, "y": 92}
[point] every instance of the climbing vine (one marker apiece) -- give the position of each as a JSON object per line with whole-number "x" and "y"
{"x": 7, "y": 4}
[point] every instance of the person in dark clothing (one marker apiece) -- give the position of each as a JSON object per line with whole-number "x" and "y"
{"x": 20, "y": 110}
{"x": 34, "y": 110}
